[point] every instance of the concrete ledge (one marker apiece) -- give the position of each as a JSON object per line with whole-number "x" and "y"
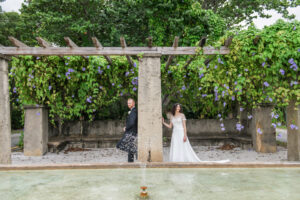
{"x": 149, "y": 165}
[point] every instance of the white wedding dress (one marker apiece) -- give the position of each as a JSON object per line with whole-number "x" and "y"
{"x": 181, "y": 151}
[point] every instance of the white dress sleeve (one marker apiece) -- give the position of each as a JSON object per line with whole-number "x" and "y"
{"x": 183, "y": 117}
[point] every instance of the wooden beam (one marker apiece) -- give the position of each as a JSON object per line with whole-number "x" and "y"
{"x": 149, "y": 41}
{"x": 16, "y": 42}
{"x": 170, "y": 58}
{"x": 118, "y": 51}
{"x": 70, "y": 43}
{"x": 98, "y": 45}
{"x": 200, "y": 44}
{"x": 43, "y": 42}
{"x": 124, "y": 46}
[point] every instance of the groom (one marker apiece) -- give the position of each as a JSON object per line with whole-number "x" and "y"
{"x": 128, "y": 141}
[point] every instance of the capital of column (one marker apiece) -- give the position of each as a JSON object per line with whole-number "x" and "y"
{"x": 3, "y": 65}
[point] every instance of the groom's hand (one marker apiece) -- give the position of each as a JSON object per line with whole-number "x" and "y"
{"x": 124, "y": 129}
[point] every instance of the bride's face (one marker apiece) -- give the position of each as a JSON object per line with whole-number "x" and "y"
{"x": 178, "y": 108}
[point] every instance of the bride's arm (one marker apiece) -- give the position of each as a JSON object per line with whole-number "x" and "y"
{"x": 167, "y": 125}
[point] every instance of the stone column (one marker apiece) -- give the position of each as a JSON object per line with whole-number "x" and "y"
{"x": 35, "y": 131}
{"x": 150, "y": 146}
{"x": 5, "y": 126}
{"x": 263, "y": 134}
{"x": 293, "y": 131}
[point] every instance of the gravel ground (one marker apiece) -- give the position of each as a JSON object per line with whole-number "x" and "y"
{"x": 105, "y": 155}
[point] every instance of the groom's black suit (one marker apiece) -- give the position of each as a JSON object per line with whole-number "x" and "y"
{"x": 128, "y": 141}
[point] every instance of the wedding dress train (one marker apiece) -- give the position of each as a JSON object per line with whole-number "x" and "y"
{"x": 181, "y": 151}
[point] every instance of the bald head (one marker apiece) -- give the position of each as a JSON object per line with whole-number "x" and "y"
{"x": 130, "y": 103}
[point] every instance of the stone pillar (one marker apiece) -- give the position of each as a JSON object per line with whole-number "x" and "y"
{"x": 263, "y": 134}
{"x": 293, "y": 139}
{"x": 5, "y": 125}
{"x": 150, "y": 146}
{"x": 35, "y": 131}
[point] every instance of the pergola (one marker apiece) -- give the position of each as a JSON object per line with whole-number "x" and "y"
{"x": 149, "y": 93}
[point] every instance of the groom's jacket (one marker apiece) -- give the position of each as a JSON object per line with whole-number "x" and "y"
{"x": 131, "y": 121}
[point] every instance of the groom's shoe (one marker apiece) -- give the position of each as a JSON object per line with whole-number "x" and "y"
{"x": 130, "y": 157}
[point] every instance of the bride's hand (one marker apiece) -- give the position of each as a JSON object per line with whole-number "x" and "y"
{"x": 184, "y": 138}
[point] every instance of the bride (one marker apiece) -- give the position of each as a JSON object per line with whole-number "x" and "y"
{"x": 181, "y": 150}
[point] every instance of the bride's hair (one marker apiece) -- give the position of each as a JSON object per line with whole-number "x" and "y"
{"x": 174, "y": 108}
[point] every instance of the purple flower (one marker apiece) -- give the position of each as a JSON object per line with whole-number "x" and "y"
{"x": 291, "y": 61}
{"x": 274, "y": 125}
{"x": 235, "y": 83}
{"x": 281, "y": 71}
{"x": 107, "y": 66}
{"x": 259, "y": 131}
{"x": 200, "y": 88}
{"x": 68, "y": 58}
{"x": 14, "y": 90}
{"x": 50, "y": 87}
{"x": 204, "y": 95}
{"x": 83, "y": 69}
{"x": 134, "y": 64}
{"x": 293, "y": 127}
{"x": 220, "y": 61}
{"x": 216, "y": 97}
{"x": 224, "y": 104}
{"x": 219, "y": 115}
{"x": 100, "y": 71}
{"x": 216, "y": 66}
{"x": 294, "y": 67}
{"x": 270, "y": 99}
{"x": 183, "y": 88}
{"x": 250, "y": 116}
{"x": 263, "y": 64}
{"x": 222, "y": 125}
{"x": 134, "y": 89}
{"x": 169, "y": 72}
{"x": 279, "y": 135}
{"x": 89, "y": 99}
{"x": 201, "y": 75}
{"x": 58, "y": 75}
{"x": 38, "y": 114}
{"x": 223, "y": 129}
{"x": 276, "y": 116}
{"x": 299, "y": 50}
{"x": 18, "y": 100}
{"x": 37, "y": 58}
{"x": 207, "y": 66}
{"x": 121, "y": 93}
{"x": 239, "y": 127}
{"x": 233, "y": 98}
{"x": 266, "y": 84}
{"x": 67, "y": 64}
{"x": 294, "y": 28}
{"x": 127, "y": 73}
{"x": 246, "y": 70}
{"x": 241, "y": 109}
{"x": 33, "y": 86}
{"x": 70, "y": 70}
{"x": 293, "y": 83}
{"x": 253, "y": 54}
{"x": 100, "y": 87}
{"x": 113, "y": 84}
{"x": 73, "y": 96}
{"x": 278, "y": 124}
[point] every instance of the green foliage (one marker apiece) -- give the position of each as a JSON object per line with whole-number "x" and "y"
{"x": 251, "y": 74}
{"x": 72, "y": 86}
{"x": 21, "y": 140}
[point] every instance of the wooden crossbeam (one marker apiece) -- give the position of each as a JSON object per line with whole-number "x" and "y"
{"x": 98, "y": 45}
{"x": 149, "y": 40}
{"x": 201, "y": 44}
{"x": 123, "y": 45}
{"x": 42, "y": 42}
{"x": 16, "y": 42}
{"x": 170, "y": 58}
{"x": 108, "y": 51}
{"x": 70, "y": 43}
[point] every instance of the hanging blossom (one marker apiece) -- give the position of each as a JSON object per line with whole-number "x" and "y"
{"x": 266, "y": 84}
{"x": 220, "y": 61}
{"x": 293, "y": 64}
{"x": 89, "y": 99}
{"x": 239, "y": 126}
{"x": 293, "y": 127}
{"x": 274, "y": 125}
{"x": 250, "y": 116}
{"x": 281, "y": 71}
{"x": 183, "y": 88}
{"x": 259, "y": 131}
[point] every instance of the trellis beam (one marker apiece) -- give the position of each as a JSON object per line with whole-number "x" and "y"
{"x": 98, "y": 45}
{"x": 43, "y": 43}
{"x": 124, "y": 46}
{"x": 16, "y": 42}
{"x": 170, "y": 58}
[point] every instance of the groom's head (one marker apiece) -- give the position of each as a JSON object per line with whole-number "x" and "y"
{"x": 130, "y": 103}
